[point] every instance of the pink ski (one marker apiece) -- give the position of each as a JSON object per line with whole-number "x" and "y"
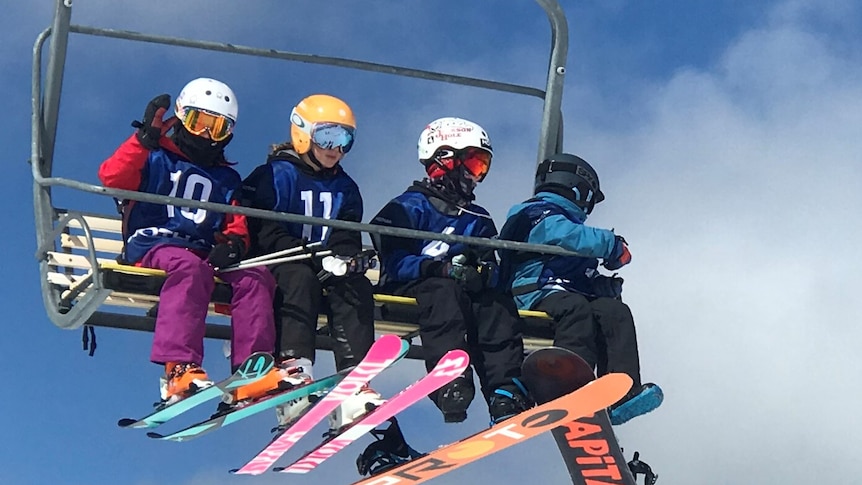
{"x": 452, "y": 365}
{"x": 386, "y": 350}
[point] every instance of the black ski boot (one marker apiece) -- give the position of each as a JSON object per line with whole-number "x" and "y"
{"x": 388, "y": 451}
{"x": 508, "y": 400}
{"x": 454, "y": 398}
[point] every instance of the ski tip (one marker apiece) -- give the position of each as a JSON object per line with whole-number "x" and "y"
{"x": 616, "y": 382}
{"x": 239, "y": 471}
{"x": 392, "y": 339}
{"x": 279, "y": 469}
{"x": 127, "y": 422}
{"x": 620, "y": 380}
{"x": 155, "y": 436}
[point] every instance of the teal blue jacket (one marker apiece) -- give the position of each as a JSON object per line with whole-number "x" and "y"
{"x": 551, "y": 219}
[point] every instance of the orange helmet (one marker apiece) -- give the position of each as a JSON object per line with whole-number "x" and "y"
{"x": 315, "y": 114}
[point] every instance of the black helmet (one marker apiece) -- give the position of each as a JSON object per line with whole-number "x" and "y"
{"x": 571, "y": 177}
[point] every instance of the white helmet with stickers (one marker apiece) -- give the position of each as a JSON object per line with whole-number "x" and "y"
{"x": 210, "y": 95}
{"x": 451, "y": 132}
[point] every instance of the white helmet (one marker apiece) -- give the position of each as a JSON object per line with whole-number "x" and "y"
{"x": 210, "y": 95}
{"x": 456, "y": 133}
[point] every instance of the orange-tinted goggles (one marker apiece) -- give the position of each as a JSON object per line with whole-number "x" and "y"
{"x": 197, "y": 121}
{"x": 476, "y": 161}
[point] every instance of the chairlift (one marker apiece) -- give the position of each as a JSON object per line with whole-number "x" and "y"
{"x": 83, "y": 285}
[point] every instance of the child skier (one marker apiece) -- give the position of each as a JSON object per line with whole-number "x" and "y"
{"x": 457, "y": 306}
{"x": 183, "y": 156}
{"x": 305, "y": 177}
{"x": 591, "y": 319}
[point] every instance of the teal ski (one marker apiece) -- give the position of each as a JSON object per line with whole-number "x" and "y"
{"x": 218, "y": 421}
{"x": 253, "y": 368}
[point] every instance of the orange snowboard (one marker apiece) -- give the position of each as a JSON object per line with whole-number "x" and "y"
{"x": 595, "y": 396}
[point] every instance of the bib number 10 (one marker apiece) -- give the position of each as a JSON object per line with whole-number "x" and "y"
{"x": 197, "y": 187}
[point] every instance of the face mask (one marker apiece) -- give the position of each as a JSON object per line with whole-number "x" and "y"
{"x": 200, "y": 151}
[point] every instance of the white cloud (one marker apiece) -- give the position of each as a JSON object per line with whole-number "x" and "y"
{"x": 738, "y": 193}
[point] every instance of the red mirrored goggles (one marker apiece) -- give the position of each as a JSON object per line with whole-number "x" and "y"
{"x": 197, "y": 121}
{"x": 476, "y": 161}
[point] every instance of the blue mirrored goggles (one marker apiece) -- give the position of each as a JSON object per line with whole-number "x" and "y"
{"x": 332, "y": 135}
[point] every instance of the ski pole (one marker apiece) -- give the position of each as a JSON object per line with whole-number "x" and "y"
{"x": 337, "y": 266}
{"x": 287, "y": 259}
{"x": 283, "y": 252}
{"x": 332, "y": 266}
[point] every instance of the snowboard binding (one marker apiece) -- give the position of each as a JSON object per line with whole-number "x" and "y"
{"x": 638, "y": 467}
{"x": 388, "y": 451}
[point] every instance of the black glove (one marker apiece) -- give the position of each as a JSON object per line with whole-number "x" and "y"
{"x": 362, "y": 262}
{"x": 150, "y": 129}
{"x": 226, "y": 253}
{"x": 490, "y": 271}
{"x": 607, "y": 286}
{"x": 467, "y": 276}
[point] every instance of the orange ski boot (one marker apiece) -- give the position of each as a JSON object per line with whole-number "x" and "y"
{"x": 284, "y": 375}
{"x": 181, "y": 380}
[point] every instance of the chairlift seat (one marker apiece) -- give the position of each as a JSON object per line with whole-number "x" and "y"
{"x": 134, "y": 291}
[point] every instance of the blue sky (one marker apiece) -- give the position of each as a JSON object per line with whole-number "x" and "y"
{"x": 727, "y": 138}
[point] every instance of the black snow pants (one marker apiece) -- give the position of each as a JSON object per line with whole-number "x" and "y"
{"x": 601, "y": 331}
{"x": 349, "y": 308}
{"x": 485, "y": 324}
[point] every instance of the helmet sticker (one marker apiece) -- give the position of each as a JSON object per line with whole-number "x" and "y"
{"x": 587, "y": 176}
{"x": 454, "y": 133}
{"x": 297, "y": 120}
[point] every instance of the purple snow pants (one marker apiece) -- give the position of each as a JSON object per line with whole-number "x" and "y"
{"x": 180, "y": 325}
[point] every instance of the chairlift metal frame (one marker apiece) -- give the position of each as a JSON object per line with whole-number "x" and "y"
{"x": 46, "y": 93}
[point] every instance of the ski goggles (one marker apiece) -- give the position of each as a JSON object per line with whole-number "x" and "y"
{"x": 197, "y": 121}
{"x": 332, "y": 135}
{"x": 476, "y": 161}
